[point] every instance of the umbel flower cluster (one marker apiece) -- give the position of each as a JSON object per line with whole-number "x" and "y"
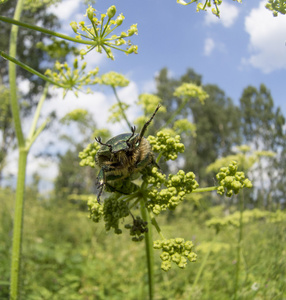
{"x": 177, "y": 251}
{"x": 231, "y": 181}
{"x": 99, "y": 33}
{"x": 73, "y": 78}
{"x": 177, "y": 186}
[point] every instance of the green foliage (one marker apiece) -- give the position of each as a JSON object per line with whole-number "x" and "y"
{"x": 75, "y": 260}
{"x": 72, "y": 179}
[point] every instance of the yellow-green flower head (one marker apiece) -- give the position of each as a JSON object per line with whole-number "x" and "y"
{"x": 72, "y": 78}
{"x": 75, "y": 115}
{"x": 177, "y": 186}
{"x": 88, "y": 154}
{"x": 187, "y": 91}
{"x": 184, "y": 125}
{"x": 100, "y": 32}
{"x": 167, "y": 143}
{"x": 231, "y": 181}
{"x": 114, "y": 79}
{"x": 149, "y": 102}
{"x": 175, "y": 250}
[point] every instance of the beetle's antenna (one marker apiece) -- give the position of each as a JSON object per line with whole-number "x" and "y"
{"x": 133, "y": 129}
{"x": 147, "y": 124}
{"x": 100, "y": 142}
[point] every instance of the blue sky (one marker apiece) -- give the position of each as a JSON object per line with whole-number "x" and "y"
{"x": 245, "y": 47}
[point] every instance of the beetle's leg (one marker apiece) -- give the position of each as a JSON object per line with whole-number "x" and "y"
{"x": 100, "y": 142}
{"x": 147, "y": 124}
{"x": 133, "y": 128}
{"x": 100, "y": 183}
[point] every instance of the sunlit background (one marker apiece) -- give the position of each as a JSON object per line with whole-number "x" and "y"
{"x": 246, "y": 46}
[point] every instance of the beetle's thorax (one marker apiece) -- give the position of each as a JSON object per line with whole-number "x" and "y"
{"x": 128, "y": 158}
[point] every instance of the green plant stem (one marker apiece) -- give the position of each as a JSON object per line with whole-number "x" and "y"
{"x": 33, "y": 134}
{"x": 19, "y": 205}
{"x": 173, "y": 116}
{"x": 149, "y": 250}
{"x": 156, "y": 225}
{"x": 239, "y": 246}
{"x": 207, "y": 189}
{"x": 12, "y": 79}
{"x": 203, "y": 264}
{"x": 47, "y": 31}
{"x": 18, "y": 226}
{"x": 121, "y": 108}
{"x": 29, "y": 69}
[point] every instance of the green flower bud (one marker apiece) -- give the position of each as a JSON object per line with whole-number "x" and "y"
{"x": 192, "y": 257}
{"x": 119, "y": 20}
{"x": 183, "y": 263}
{"x": 176, "y": 257}
{"x": 111, "y": 11}
{"x": 166, "y": 265}
{"x": 74, "y": 26}
{"x": 157, "y": 244}
{"x": 165, "y": 256}
{"x": 133, "y": 30}
{"x": 90, "y": 13}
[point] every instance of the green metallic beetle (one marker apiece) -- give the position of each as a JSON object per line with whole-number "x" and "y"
{"x": 121, "y": 160}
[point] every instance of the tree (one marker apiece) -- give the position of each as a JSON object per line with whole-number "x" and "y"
{"x": 27, "y": 39}
{"x": 263, "y": 128}
{"x": 216, "y": 121}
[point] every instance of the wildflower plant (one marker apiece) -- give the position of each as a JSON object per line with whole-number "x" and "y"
{"x": 155, "y": 193}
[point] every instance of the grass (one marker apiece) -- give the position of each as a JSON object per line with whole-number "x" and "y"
{"x": 66, "y": 256}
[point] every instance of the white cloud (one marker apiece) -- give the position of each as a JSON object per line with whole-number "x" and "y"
{"x": 208, "y": 46}
{"x": 267, "y": 39}
{"x": 228, "y": 15}
{"x": 65, "y": 9}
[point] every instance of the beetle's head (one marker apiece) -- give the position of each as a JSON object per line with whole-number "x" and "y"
{"x": 123, "y": 142}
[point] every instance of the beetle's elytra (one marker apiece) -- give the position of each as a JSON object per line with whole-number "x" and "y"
{"x": 122, "y": 158}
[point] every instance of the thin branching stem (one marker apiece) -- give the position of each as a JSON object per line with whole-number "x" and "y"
{"x": 47, "y": 31}
{"x": 121, "y": 107}
{"x": 239, "y": 245}
{"x": 149, "y": 249}
{"x": 14, "y": 61}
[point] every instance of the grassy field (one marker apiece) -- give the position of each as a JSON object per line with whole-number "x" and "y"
{"x": 66, "y": 256}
